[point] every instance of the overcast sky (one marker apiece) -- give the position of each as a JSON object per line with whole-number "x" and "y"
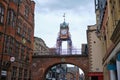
{"x": 49, "y": 15}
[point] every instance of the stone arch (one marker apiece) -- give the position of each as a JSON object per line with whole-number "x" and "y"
{"x": 46, "y": 62}
{"x": 80, "y": 66}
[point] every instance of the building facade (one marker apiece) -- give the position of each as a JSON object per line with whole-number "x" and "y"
{"x": 16, "y": 39}
{"x": 40, "y": 47}
{"x": 73, "y": 73}
{"x": 109, "y": 31}
{"x": 63, "y": 72}
{"x": 95, "y": 54}
{"x": 57, "y": 72}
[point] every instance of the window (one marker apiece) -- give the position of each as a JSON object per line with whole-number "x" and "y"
{"x": 1, "y": 14}
{"x": 0, "y": 37}
{"x": 6, "y": 41}
{"x": 30, "y": 75}
{"x": 15, "y": 1}
{"x": 9, "y": 44}
{"x": 25, "y": 74}
{"x": 26, "y": 13}
{"x": 18, "y": 29}
{"x": 27, "y": 58}
{"x": 29, "y": 34}
{"x": 24, "y": 30}
{"x": 22, "y": 52}
{"x": 11, "y": 48}
{"x": 19, "y": 26}
{"x": 14, "y": 73}
{"x": 17, "y": 50}
{"x": 20, "y": 74}
{"x": 11, "y": 18}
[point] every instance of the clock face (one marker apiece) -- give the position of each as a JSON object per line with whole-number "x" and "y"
{"x": 64, "y": 31}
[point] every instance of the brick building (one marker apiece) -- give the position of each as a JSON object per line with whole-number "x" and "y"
{"x": 95, "y": 51}
{"x": 108, "y": 29}
{"x": 73, "y": 73}
{"x": 16, "y": 39}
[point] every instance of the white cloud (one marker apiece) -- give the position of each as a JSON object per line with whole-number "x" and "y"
{"x": 79, "y": 14}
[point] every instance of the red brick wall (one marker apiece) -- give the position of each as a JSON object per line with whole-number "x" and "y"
{"x": 12, "y": 32}
{"x": 43, "y": 63}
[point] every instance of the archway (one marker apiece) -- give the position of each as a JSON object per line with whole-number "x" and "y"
{"x": 41, "y": 64}
{"x": 64, "y": 72}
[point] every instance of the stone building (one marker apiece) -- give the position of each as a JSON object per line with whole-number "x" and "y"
{"x": 63, "y": 72}
{"x": 16, "y": 39}
{"x": 57, "y": 72}
{"x": 73, "y": 73}
{"x": 108, "y": 29}
{"x": 40, "y": 47}
{"x": 95, "y": 54}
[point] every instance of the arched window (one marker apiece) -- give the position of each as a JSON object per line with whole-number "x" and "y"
{"x": 2, "y": 9}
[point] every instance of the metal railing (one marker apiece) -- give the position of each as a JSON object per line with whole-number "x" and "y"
{"x": 63, "y": 52}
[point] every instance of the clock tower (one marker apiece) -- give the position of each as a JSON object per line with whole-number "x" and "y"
{"x": 64, "y": 35}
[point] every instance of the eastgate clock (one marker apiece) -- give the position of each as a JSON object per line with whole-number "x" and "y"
{"x": 64, "y": 35}
{"x": 64, "y": 32}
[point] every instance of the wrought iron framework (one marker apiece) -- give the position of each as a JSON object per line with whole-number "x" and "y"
{"x": 59, "y": 45}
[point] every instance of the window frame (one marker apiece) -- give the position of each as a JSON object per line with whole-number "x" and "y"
{"x": 11, "y": 18}
{"x": 26, "y": 12}
{"x": 20, "y": 74}
{"x": 14, "y": 73}
{"x": 19, "y": 27}
{"x": 24, "y": 30}
{"x": 2, "y": 12}
{"x": 25, "y": 74}
{"x": 22, "y": 53}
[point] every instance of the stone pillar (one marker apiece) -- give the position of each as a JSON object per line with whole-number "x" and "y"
{"x": 112, "y": 68}
{"x": 118, "y": 66}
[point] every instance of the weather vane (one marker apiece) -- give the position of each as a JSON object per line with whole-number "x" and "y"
{"x": 64, "y": 16}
